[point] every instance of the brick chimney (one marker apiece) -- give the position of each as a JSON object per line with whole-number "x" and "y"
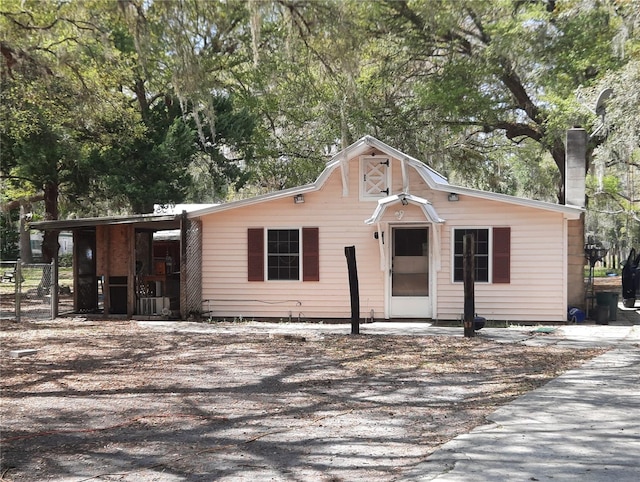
{"x": 575, "y": 167}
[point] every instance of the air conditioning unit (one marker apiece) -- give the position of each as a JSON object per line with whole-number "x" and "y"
{"x": 154, "y": 306}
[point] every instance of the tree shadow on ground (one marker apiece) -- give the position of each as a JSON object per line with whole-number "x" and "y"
{"x": 169, "y": 406}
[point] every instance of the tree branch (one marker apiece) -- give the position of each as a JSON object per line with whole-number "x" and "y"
{"x": 513, "y": 130}
{"x": 513, "y": 82}
{"x": 16, "y": 203}
{"x": 11, "y": 16}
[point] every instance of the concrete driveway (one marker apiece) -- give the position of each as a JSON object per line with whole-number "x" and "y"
{"x": 584, "y": 425}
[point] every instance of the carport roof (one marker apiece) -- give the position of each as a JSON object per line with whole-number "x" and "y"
{"x": 151, "y": 221}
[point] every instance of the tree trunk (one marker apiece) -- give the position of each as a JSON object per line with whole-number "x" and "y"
{"x": 26, "y": 255}
{"x": 50, "y": 244}
{"x": 559, "y": 154}
{"x": 141, "y": 96}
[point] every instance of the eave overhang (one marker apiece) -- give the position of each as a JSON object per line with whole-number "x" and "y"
{"x": 404, "y": 199}
{"x": 568, "y": 211}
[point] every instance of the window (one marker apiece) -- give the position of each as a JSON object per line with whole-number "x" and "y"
{"x": 481, "y": 238}
{"x": 494, "y": 253}
{"x": 283, "y": 254}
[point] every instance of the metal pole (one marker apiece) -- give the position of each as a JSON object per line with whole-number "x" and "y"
{"x": 18, "y": 287}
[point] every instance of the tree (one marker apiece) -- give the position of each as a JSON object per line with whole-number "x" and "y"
{"x": 51, "y": 91}
{"x": 505, "y": 66}
{"x": 226, "y": 154}
{"x": 8, "y": 235}
{"x": 149, "y": 166}
{"x": 461, "y": 84}
{"x": 614, "y": 184}
{"x": 194, "y": 82}
{"x": 137, "y": 99}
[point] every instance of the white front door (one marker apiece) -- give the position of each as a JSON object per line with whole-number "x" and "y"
{"x": 409, "y": 273}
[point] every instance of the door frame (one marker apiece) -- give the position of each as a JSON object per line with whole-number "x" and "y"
{"x": 429, "y": 306}
{"x": 85, "y": 283}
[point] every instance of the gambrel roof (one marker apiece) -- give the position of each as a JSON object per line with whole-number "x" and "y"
{"x": 432, "y": 178}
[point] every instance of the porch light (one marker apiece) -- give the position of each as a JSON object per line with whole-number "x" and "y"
{"x": 453, "y": 197}
{"x": 298, "y": 199}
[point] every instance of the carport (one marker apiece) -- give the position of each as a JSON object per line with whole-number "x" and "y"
{"x": 141, "y": 266}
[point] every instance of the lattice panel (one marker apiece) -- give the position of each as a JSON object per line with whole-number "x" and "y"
{"x": 193, "y": 274}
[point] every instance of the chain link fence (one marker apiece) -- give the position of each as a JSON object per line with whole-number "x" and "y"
{"x": 28, "y": 291}
{"x": 8, "y": 290}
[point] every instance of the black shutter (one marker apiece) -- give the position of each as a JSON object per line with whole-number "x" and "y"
{"x": 255, "y": 257}
{"x": 501, "y": 255}
{"x": 310, "y": 254}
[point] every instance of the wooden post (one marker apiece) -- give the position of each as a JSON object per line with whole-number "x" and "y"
{"x": 350, "y": 253}
{"x": 469, "y": 280}
{"x": 184, "y": 226}
{"x": 54, "y": 288}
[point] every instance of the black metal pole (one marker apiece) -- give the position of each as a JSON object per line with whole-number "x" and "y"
{"x": 350, "y": 253}
{"x": 469, "y": 279}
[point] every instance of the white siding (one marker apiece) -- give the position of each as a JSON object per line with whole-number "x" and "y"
{"x": 340, "y": 222}
{"x": 538, "y": 249}
{"x": 536, "y": 291}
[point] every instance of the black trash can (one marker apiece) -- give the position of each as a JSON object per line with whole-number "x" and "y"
{"x": 607, "y": 302}
{"x": 602, "y": 315}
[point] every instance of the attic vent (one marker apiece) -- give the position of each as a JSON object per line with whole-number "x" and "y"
{"x": 376, "y": 177}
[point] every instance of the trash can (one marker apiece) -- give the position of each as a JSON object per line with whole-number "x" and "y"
{"x": 608, "y": 300}
{"x": 602, "y": 315}
{"x": 575, "y": 315}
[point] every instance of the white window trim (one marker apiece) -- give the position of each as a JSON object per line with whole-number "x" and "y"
{"x": 266, "y": 254}
{"x": 361, "y": 182}
{"x": 490, "y": 253}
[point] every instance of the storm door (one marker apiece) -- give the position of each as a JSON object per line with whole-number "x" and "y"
{"x": 86, "y": 291}
{"x": 409, "y": 297}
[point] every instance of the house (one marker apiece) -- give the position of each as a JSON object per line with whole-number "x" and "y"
{"x": 65, "y": 240}
{"x": 282, "y": 255}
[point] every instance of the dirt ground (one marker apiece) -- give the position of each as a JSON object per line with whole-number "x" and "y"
{"x": 114, "y": 400}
